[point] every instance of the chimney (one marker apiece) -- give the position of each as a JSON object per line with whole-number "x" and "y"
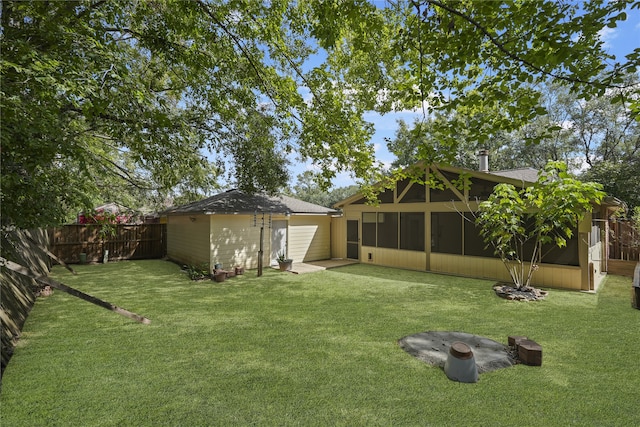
{"x": 483, "y": 157}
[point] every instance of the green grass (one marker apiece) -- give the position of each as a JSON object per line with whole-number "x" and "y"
{"x": 313, "y": 349}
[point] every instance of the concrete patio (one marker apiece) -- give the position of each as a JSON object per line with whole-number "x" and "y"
{"x": 313, "y": 266}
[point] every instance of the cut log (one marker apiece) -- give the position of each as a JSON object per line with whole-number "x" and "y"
{"x": 515, "y": 340}
{"x": 71, "y": 291}
{"x": 530, "y": 353}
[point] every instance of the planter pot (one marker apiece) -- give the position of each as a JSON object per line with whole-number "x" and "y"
{"x": 239, "y": 270}
{"x": 219, "y": 275}
{"x": 231, "y": 273}
{"x": 285, "y": 265}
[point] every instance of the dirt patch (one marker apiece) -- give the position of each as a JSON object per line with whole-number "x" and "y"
{"x": 433, "y": 347}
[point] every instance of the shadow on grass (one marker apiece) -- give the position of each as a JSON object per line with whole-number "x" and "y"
{"x": 400, "y": 275}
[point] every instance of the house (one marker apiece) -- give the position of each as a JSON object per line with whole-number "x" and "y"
{"x": 429, "y": 229}
{"x": 119, "y": 214}
{"x": 230, "y": 228}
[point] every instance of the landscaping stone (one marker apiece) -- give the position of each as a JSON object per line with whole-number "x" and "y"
{"x": 524, "y": 294}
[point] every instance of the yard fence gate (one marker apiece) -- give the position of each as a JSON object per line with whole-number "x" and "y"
{"x": 624, "y": 248}
{"x": 624, "y": 242}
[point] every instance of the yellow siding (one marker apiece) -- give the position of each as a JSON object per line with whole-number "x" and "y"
{"x": 236, "y": 242}
{"x": 339, "y": 237}
{"x": 233, "y": 240}
{"x": 309, "y": 238}
{"x": 548, "y": 275}
{"x": 552, "y": 276}
{"x": 187, "y": 240}
{"x": 411, "y": 260}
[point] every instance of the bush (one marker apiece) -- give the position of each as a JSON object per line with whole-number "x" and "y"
{"x": 197, "y": 272}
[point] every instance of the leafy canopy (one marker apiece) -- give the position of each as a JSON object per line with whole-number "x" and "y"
{"x": 159, "y": 99}
{"x": 150, "y": 100}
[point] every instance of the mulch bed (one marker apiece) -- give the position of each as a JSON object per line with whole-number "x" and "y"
{"x": 523, "y": 294}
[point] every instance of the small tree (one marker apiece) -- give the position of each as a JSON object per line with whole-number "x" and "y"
{"x": 518, "y": 222}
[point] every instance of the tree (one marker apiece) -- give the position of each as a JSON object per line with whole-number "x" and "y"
{"x": 619, "y": 179}
{"x": 519, "y": 223}
{"x": 308, "y": 190}
{"x": 419, "y": 142}
{"x": 599, "y": 139}
{"x": 482, "y": 61}
{"x": 155, "y": 98}
{"x": 411, "y": 144}
{"x": 152, "y": 95}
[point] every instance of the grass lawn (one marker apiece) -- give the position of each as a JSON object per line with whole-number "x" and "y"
{"x": 313, "y": 349}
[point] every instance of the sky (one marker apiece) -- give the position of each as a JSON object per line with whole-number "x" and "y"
{"x": 619, "y": 41}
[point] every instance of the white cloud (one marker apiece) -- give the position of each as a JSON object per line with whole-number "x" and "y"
{"x": 607, "y": 35}
{"x": 566, "y": 124}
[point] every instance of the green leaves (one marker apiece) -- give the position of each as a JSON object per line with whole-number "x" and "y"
{"x": 513, "y": 220}
{"x": 153, "y": 98}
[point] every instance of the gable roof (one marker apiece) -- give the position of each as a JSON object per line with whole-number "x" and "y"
{"x": 236, "y": 202}
{"x": 517, "y": 177}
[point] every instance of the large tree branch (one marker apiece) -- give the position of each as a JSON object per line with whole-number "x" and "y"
{"x": 243, "y": 50}
{"x": 511, "y": 55}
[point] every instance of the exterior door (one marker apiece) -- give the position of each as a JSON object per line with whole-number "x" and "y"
{"x": 353, "y": 239}
{"x": 278, "y": 240}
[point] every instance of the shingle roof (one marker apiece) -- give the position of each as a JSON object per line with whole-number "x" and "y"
{"x": 522, "y": 174}
{"x": 237, "y": 202}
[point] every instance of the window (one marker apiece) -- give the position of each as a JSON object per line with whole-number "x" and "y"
{"x": 402, "y": 184}
{"x": 369, "y": 228}
{"x": 412, "y": 231}
{"x": 415, "y": 194}
{"x": 446, "y": 232}
{"x": 394, "y": 230}
{"x": 386, "y": 196}
{"x": 388, "y": 230}
{"x": 480, "y": 189}
{"x": 446, "y": 194}
{"x": 474, "y": 244}
{"x": 551, "y": 254}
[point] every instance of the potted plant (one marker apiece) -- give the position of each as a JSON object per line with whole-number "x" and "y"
{"x": 284, "y": 262}
{"x": 219, "y": 275}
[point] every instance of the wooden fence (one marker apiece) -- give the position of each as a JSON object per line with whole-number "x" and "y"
{"x": 23, "y": 247}
{"x": 624, "y": 241}
{"x": 145, "y": 241}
